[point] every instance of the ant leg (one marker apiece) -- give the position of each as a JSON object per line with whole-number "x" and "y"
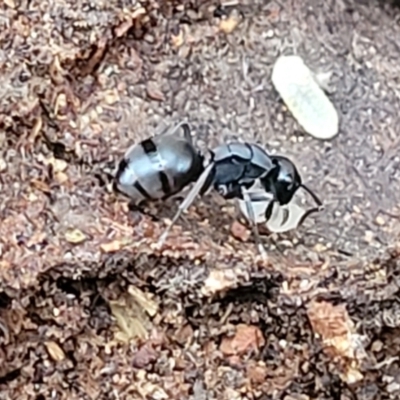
{"x": 307, "y": 213}
{"x": 268, "y": 211}
{"x": 187, "y": 202}
{"x": 171, "y": 130}
{"x": 314, "y": 196}
{"x": 186, "y": 131}
{"x": 250, "y": 213}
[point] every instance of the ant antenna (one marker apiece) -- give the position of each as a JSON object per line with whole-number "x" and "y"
{"x": 313, "y": 195}
{"x": 306, "y": 214}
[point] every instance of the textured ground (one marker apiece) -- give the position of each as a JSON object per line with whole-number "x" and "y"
{"x": 89, "y": 310}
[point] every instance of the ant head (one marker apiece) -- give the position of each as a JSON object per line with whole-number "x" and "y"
{"x": 286, "y": 180}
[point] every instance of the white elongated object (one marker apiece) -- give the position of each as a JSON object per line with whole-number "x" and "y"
{"x": 305, "y": 99}
{"x": 283, "y": 219}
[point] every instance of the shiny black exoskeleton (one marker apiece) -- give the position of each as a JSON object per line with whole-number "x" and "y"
{"x": 282, "y": 182}
{"x": 235, "y": 168}
{"x": 164, "y": 165}
{"x": 159, "y": 167}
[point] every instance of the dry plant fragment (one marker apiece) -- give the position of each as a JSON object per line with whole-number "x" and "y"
{"x": 138, "y": 13}
{"x": 304, "y": 97}
{"x": 256, "y": 372}
{"x": 154, "y": 93}
{"x": 115, "y": 245}
{"x": 3, "y": 165}
{"x": 184, "y": 334}
{"x": 240, "y": 232}
{"x": 131, "y": 312}
{"x": 218, "y": 280}
{"x": 341, "y": 343}
{"x": 40, "y": 185}
{"x": 111, "y": 247}
{"x": 123, "y": 28}
{"x": 55, "y": 351}
{"x": 10, "y": 3}
{"x": 247, "y": 337}
{"x": 228, "y": 25}
{"x": 145, "y": 356}
{"x": 96, "y": 58}
{"x": 150, "y": 390}
{"x": 75, "y": 236}
{"x": 129, "y": 322}
{"x": 150, "y": 306}
{"x": 178, "y": 39}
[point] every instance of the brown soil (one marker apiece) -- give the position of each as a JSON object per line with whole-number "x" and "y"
{"x": 89, "y": 310}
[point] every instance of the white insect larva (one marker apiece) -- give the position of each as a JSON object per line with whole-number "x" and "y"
{"x": 308, "y": 103}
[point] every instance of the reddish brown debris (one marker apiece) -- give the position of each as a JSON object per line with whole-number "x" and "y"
{"x": 246, "y": 338}
{"x": 339, "y": 339}
{"x": 240, "y": 232}
{"x": 144, "y": 357}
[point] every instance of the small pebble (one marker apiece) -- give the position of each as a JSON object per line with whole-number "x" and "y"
{"x": 240, "y": 232}
{"x": 369, "y": 236}
{"x": 393, "y": 387}
{"x": 377, "y": 346}
{"x": 3, "y": 165}
{"x": 269, "y": 34}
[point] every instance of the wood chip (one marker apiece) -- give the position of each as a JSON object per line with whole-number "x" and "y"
{"x": 257, "y": 373}
{"x": 61, "y": 104}
{"x": 3, "y": 165}
{"x": 123, "y": 28}
{"x": 304, "y": 98}
{"x": 40, "y": 185}
{"x": 58, "y": 165}
{"x": 145, "y": 356}
{"x": 184, "y": 334}
{"x": 130, "y": 320}
{"x": 149, "y": 305}
{"x": 228, "y": 25}
{"x": 132, "y": 311}
{"x": 111, "y": 246}
{"x": 335, "y": 328}
{"x": 115, "y": 245}
{"x": 93, "y": 62}
{"x": 138, "y": 13}
{"x": 217, "y": 281}
{"x": 37, "y": 128}
{"x": 240, "y": 232}
{"x": 247, "y": 337}
{"x": 10, "y": 3}
{"x": 154, "y": 92}
{"x": 55, "y": 351}
{"x": 61, "y": 178}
